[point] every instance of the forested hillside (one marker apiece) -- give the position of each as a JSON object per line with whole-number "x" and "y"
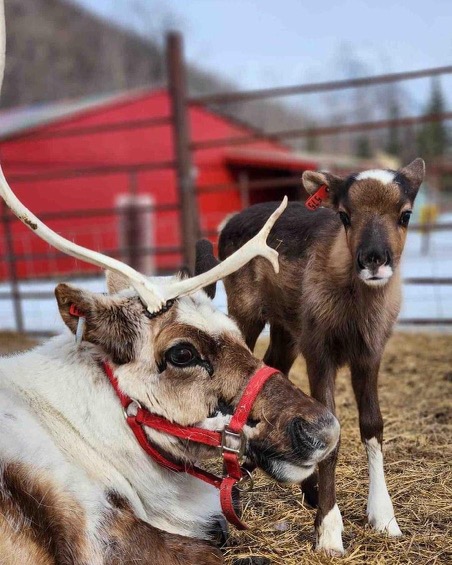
{"x": 56, "y": 49}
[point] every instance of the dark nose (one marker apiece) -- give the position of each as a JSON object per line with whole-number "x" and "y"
{"x": 373, "y": 257}
{"x": 308, "y": 438}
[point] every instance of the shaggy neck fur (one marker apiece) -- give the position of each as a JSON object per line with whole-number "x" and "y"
{"x": 82, "y": 431}
{"x": 342, "y": 301}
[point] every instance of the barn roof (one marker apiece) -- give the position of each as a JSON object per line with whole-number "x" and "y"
{"x": 269, "y": 159}
{"x": 17, "y": 120}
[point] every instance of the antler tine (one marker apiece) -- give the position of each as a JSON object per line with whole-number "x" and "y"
{"x": 252, "y": 248}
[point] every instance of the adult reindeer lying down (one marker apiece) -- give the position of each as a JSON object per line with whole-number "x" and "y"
{"x": 335, "y": 301}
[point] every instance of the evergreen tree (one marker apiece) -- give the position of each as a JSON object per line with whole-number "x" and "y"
{"x": 363, "y": 148}
{"x": 432, "y": 139}
{"x": 393, "y": 142}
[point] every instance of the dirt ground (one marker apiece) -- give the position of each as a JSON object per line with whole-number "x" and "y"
{"x": 11, "y": 342}
{"x": 416, "y": 400}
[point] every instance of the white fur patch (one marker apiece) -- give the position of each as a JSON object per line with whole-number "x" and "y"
{"x": 385, "y": 177}
{"x": 380, "y": 511}
{"x": 289, "y": 473}
{"x": 329, "y": 533}
{"x": 198, "y": 310}
{"x": 379, "y": 278}
{"x": 216, "y": 423}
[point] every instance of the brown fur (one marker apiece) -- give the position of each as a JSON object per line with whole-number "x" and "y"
{"x": 40, "y": 526}
{"x": 278, "y": 403}
{"x": 317, "y": 305}
{"x": 112, "y": 324}
{"x": 129, "y": 540}
{"x": 38, "y": 523}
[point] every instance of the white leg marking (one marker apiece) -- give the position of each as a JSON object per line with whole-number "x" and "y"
{"x": 329, "y": 533}
{"x": 380, "y": 511}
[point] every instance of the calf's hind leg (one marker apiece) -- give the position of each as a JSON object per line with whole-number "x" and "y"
{"x": 380, "y": 511}
{"x": 281, "y": 352}
{"x": 244, "y": 310}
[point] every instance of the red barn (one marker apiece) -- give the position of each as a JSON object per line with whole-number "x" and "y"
{"x": 70, "y": 162}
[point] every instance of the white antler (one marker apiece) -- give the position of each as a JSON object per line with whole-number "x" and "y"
{"x": 154, "y": 297}
{"x": 252, "y": 248}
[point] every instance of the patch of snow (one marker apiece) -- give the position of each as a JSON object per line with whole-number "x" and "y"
{"x": 420, "y": 301}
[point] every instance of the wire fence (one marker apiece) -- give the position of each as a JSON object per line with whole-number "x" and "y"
{"x": 160, "y": 237}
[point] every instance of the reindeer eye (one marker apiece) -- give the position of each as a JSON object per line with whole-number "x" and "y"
{"x": 345, "y": 219}
{"x": 181, "y": 355}
{"x": 404, "y": 219}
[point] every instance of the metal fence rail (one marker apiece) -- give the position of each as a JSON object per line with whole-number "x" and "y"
{"x": 227, "y": 97}
{"x": 322, "y": 131}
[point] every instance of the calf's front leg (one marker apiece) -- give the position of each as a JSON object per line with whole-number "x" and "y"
{"x": 328, "y": 521}
{"x": 380, "y": 512}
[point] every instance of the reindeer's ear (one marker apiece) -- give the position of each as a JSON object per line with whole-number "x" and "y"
{"x": 116, "y": 282}
{"x": 415, "y": 173}
{"x": 206, "y": 260}
{"x": 313, "y": 180}
{"x": 112, "y": 322}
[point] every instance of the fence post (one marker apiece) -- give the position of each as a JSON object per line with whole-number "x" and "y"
{"x": 177, "y": 86}
{"x": 12, "y": 271}
{"x": 244, "y": 189}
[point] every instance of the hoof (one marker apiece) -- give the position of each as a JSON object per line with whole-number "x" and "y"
{"x": 387, "y": 526}
{"x": 329, "y": 534}
{"x": 380, "y": 515}
{"x": 332, "y": 552}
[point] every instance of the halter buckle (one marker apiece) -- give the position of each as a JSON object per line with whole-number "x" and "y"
{"x": 232, "y": 442}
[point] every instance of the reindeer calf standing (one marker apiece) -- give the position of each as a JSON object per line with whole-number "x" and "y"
{"x": 335, "y": 301}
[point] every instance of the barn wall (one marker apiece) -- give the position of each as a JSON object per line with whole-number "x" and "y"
{"x": 28, "y": 154}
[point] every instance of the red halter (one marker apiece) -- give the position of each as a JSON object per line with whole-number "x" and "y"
{"x": 230, "y": 440}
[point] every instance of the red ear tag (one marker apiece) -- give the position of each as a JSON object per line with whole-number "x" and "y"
{"x": 315, "y": 201}
{"x": 74, "y": 311}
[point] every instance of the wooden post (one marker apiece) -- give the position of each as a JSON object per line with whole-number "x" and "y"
{"x": 244, "y": 189}
{"x": 136, "y": 231}
{"x": 12, "y": 271}
{"x": 177, "y": 85}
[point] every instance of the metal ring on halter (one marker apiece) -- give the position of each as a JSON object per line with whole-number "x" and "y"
{"x": 134, "y": 404}
{"x": 246, "y": 483}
